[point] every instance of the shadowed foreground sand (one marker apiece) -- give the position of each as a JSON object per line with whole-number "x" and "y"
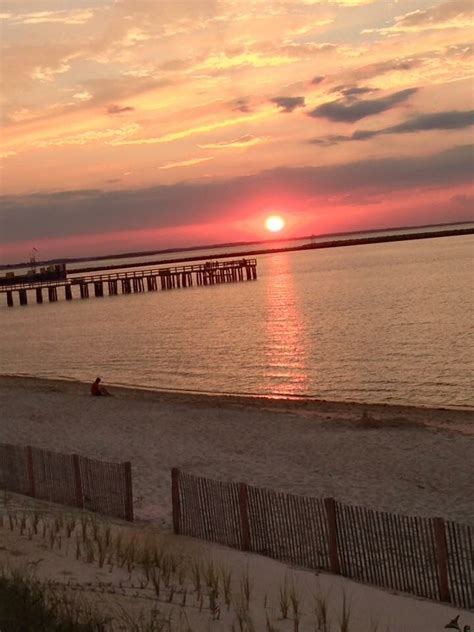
{"x": 74, "y": 563}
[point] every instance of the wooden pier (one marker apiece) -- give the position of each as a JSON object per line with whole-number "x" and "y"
{"x": 136, "y": 281}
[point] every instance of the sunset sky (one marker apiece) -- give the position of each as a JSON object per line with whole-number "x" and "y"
{"x": 132, "y": 125}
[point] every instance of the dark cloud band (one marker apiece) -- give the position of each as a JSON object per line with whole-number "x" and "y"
{"x": 68, "y": 213}
{"x": 451, "y": 120}
{"x": 288, "y": 104}
{"x": 350, "y": 110}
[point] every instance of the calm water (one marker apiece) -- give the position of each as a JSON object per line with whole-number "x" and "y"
{"x": 376, "y": 323}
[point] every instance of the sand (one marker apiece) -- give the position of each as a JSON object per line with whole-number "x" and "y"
{"x": 402, "y": 459}
{"x": 113, "y": 589}
{"x": 409, "y": 460}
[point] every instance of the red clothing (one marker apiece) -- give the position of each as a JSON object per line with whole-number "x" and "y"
{"x": 95, "y": 389}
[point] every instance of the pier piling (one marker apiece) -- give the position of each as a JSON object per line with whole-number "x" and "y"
{"x": 23, "y": 296}
{"x": 208, "y": 274}
{"x": 126, "y": 288}
{"x": 52, "y": 294}
{"x": 113, "y": 289}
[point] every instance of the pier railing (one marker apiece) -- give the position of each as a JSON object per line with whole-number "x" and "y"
{"x": 134, "y": 281}
{"x": 68, "y": 479}
{"x": 427, "y": 557}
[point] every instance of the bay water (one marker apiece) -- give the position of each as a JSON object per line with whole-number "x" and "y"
{"x": 379, "y": 323}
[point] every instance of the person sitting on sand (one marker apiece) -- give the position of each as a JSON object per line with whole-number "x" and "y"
{"x": 96, "y": 389}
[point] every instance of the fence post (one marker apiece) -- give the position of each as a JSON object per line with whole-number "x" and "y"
{"x": 31, "y": 473}
{"x": 78, "y": 481}
{"x": 127, "y": 469}
{"x": 175, "y": 501}
{"x": 244, "y": 516}
{"x": 441, "y": 553}
{"x": 330, "y": 507}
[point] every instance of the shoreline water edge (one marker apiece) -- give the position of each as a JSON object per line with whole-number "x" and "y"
{"x": 236, "y": 398}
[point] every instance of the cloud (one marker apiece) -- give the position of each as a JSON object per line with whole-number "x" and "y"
{"x": 222, "y": 61}
{"x": 85, "y": 95}
{"x": 329, "y": 140}
{"x": 96, "y": 211}
{"x": 241, "y": 105}
{"x": 135, "y": 36}
{"x": 257, "y": 54}
{"x": 307, "y": 28}
{"x": 192, "y": 131}
{"x": 352, "y": 110}
{"x": 84, "y": 138}
{"x": 239, "y": 143}
{"x": 186, "y": 163}
{"x": 119, "y": 109}
{"x": 455, "y": 119}
{"x": 288, "y": 104}
{"x": 450, "y": 120}
{"x": 451, "y": 14}
{"x": 72, "y": 16}
{"x": 47, "y": 73}
{"x": 342, "y": 3}
{"x": 317, "y": 80}
{"x": 351, "y": 92}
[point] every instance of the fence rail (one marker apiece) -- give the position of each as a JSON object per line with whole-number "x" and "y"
{"x": 427, "y": 557}
{"x": 69, "y": 479}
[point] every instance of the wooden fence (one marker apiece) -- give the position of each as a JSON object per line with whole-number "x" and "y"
{"x": 69, "y": 479}
{"x": 427, "y": 557}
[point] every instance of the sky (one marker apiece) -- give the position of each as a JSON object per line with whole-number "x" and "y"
{"x": 132, "y": 125}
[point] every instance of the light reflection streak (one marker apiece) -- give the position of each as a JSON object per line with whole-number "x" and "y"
{"x": 285, "y": 348}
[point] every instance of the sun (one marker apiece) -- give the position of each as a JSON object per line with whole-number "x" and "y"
{"x": 274, "y": 223}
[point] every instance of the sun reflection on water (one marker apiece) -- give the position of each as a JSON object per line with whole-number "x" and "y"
{"x": 285, "y": 348}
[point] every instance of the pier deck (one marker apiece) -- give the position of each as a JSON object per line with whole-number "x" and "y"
{"x": 128, "y": 282}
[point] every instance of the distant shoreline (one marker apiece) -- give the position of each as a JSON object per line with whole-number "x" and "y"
{"x": 357, "y": 241}
{"x": 333, "y": 243}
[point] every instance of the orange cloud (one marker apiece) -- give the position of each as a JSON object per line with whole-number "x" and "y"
{"x": 201, "y": 129}
{"x": 186, "y": 163}
{"x": 239, "y": 143}
{"x": 45, "y": 73}
{"x": 447, "y": 15}
{"x": 90, "y": 136}
{"x": 77, "y": 16}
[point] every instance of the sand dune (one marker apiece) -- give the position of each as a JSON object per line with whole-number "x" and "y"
{"x": 113, "y": 588}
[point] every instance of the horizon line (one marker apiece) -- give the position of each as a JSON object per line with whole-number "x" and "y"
{"x": 144, "y": 253}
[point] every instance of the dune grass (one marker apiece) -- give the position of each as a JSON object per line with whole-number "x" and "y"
{"x": 25, "y": 604}
{"x": 169, "y": 590}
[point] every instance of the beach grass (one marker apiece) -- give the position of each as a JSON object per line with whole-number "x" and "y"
{"x": 154, "y": 585}
{"x": 26, "y": 604}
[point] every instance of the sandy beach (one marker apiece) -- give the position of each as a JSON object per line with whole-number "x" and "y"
{"x": 409, "y": 460}
{"x": 399, "y": 459}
